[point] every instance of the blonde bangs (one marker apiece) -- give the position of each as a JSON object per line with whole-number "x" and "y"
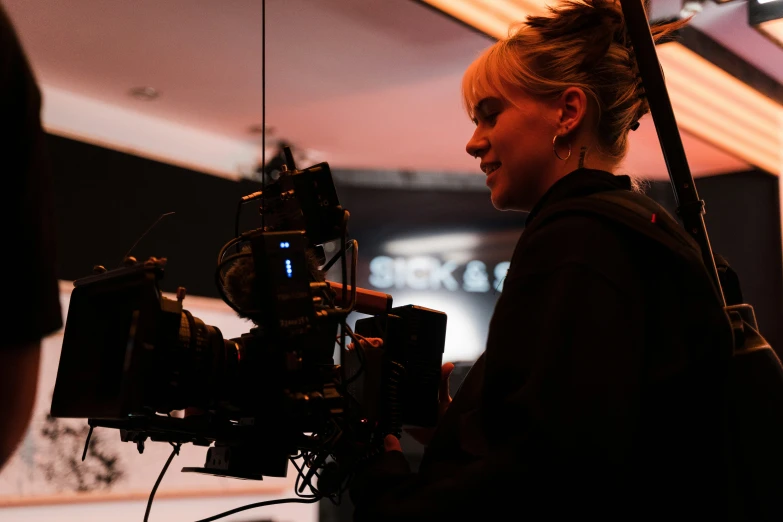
{"x": 482, "y": 79}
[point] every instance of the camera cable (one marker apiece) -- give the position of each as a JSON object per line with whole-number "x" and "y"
{"x": 174, "y": 452}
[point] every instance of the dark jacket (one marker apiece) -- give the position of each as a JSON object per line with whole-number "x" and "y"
{"x": 598, "y": 394}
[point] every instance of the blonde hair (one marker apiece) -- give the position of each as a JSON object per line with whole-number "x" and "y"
{"x": 580, "y": 43}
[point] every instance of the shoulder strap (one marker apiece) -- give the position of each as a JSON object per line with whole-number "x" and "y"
{"x": 638, "y": 213}
{"x": 633, "y": 210}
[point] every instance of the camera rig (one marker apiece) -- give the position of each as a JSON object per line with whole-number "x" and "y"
{"x": 137, "y": 361}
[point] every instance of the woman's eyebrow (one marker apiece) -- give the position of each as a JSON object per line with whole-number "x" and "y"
{"x": 482, "y": 103}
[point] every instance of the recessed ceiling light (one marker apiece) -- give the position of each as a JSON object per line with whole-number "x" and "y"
{"x": 144, "y": 93}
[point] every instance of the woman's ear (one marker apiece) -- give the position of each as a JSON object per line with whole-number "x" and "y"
{"x": 572, "y": 106}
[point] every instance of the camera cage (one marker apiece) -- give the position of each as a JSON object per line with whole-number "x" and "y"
{"x": 137, "y": 361}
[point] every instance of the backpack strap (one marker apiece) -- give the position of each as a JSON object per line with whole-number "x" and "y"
{"x": 643, "y": 215}
{"x": 636, "y": 212}
{"x": 754, "y": 377}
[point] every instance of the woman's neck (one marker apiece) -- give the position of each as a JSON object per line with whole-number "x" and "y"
{"x": 585, "y": 156}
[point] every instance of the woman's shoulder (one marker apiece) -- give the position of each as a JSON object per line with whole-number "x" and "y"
{"x": 575, "y": 235}
{"x": 576, "y": 239}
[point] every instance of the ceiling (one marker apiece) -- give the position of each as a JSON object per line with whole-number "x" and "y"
{"x": 362, "y": 84}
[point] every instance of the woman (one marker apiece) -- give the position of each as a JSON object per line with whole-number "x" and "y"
{"x": 594, "y": 396}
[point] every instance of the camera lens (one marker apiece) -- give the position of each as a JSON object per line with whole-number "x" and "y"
{"x": 194, "y": 366}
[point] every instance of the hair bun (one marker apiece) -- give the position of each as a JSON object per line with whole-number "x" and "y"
{"x": 596, "y": 24}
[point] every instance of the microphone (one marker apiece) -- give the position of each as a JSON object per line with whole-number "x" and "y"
{"x": 240, "y": 279}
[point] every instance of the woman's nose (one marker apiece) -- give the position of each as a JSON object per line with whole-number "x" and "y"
{"x": 477, "y": 145}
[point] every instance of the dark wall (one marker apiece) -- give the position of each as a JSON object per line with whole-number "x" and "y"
{"x": 106, "y": 200}
{"x": 743, "y": 222}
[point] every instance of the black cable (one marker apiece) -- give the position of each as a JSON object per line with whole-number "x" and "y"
{"x": 142, "y": 237}
{"x": 334, "y": 258}
{"x": 354, "y": 262}
{"x": 174, "y": 452}
{"x": 300, "y": 472}
{"x": 87, "y": 443}
{"x": 357, "y": 345}
{"x": 302, "y": 481}
{"x": 349, "y": 283}
{"x": 344, "y": 260}
{"x": 260, "y": 504}
{"x": 263, "y": 112}
{"x": 236, "y": 218}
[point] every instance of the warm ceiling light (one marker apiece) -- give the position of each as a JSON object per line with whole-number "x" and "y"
{"x": 707, "y": 101}
{"x": 491, "y": 17}
{"x": 772, "y": 29}
{"x": 766, "y": 16}
{"x": 720, "y": 109}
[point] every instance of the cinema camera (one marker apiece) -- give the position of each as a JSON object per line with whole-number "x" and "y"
{"x": 139, "y": 362}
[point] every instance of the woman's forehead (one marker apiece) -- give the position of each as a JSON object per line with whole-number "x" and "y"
{"x": 481, "y": 83}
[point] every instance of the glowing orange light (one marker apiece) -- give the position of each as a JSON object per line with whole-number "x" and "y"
{"x": 707, "y": 101}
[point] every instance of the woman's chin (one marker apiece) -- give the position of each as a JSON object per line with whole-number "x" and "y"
{"x": 499, "y": 201}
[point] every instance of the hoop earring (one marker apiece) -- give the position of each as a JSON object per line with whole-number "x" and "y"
{"x": 554, "y": 149}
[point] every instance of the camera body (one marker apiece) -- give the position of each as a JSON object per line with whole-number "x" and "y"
{"x": 131, "y": 356}
{"x": 137, "y": 361}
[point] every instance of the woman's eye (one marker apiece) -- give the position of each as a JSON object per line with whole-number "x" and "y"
{"x": 485, "y": 118}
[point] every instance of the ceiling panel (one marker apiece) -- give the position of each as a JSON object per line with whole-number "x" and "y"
{"x": 364, "y": 84}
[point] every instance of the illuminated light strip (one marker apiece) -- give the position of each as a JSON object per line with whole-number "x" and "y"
{"x": 720, "y": 109}
{"x": 707, "y": 101}
{"x": 747, "y": 131}
{"x": 762, "y": 159}
{"x": 492, "y": 17}
{"x": 765, "y": 16}
{"x": 433, "y": 244}
{"x": 772, "y": 29}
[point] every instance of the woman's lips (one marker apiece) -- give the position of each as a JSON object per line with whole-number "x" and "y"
{"x": 491, "y": 174}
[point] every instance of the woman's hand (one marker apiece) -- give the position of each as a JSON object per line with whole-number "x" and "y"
{"x": 391, "y": 443}
{"x": 424, "y": 435}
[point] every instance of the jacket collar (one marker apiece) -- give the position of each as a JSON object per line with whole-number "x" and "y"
{"x": 580, "y": 182}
